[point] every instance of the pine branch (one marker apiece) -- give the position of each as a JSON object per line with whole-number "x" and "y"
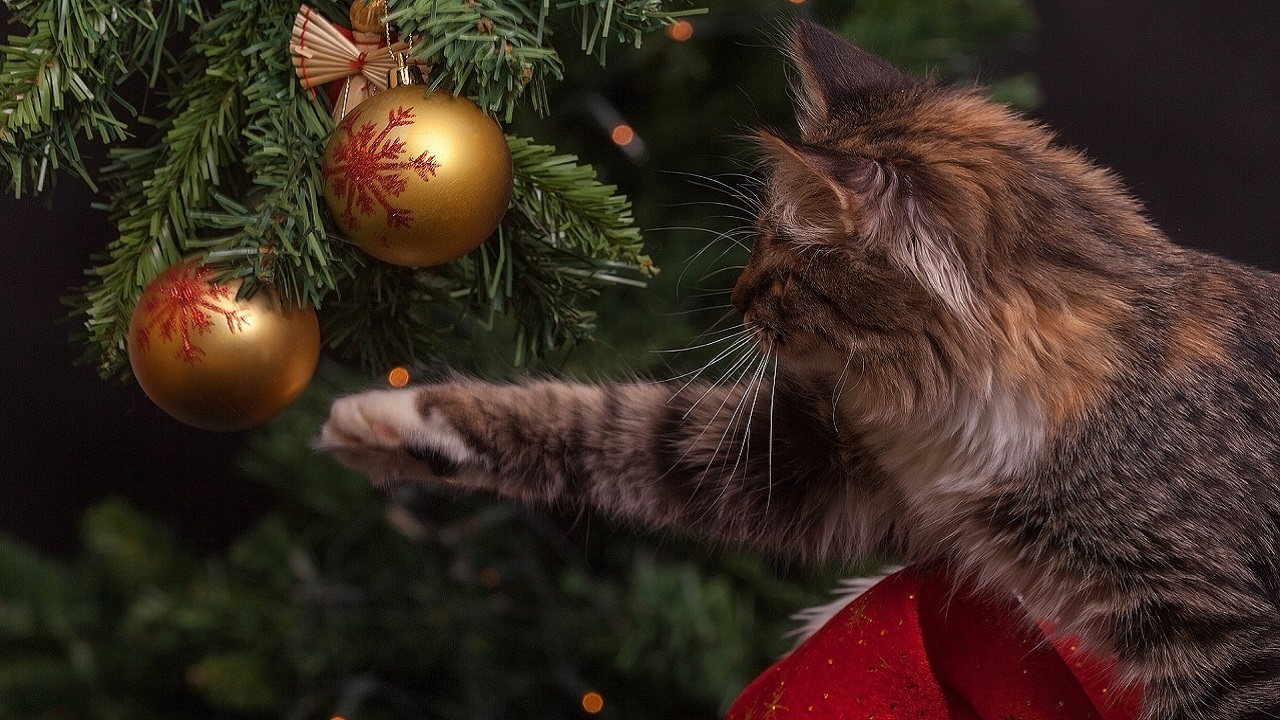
{"x": 565, "y": 237}
{"x": 157, "y": 188}
{"x": 60, "y": 82}
{"x": 495, "y": 51}
{"x": 572, "y": 210}
{"x": 285, "y": 134}
{"x": 490, "y": 50}
{"x": 386, "y": 315}
{"x": 233, "y": 172}
{"x": 548, "y": 301}
{"x": 622, "y": 20}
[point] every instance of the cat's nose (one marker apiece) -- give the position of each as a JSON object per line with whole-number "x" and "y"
{"x": 744, "y": 291}
{"x": 755, "y": 281}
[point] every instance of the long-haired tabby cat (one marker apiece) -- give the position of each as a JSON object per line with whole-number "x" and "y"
{"x": 974, "y": 349}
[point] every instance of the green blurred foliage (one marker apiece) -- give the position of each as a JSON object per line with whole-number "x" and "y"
{"x": 339, "y": 603}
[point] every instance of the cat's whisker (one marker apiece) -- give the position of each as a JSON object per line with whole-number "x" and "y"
{"x": 729, "y": 426}
{"x": 704, "y": 308}
{"x": 743, "y": 214}
{"x": 747, "y": 226}
{"x": 734, "y": 236}
{"x": 738, "y": 416}
{"x": 729, "y": 248}
{"x": 837, "y": 393}
{"x": 742, "y": 362}
{"x": 726, "y": 332}
{"x": 710, "y": 294}
{"x": 730, "y": 313}
{"x": 742, "y": 343}
{"x": 746, "y": 192}
{"x": 715, "y": 181}
{"x": 728, "y": 335}
{"x": 732, "y": 209}
{"x": 743, "y": 458}
{"x": 730, "y": 434}
{"x": 706, "y": 275}
{"x": 758, "y": 382}
{"x": 731, "y": 331}
{"x": 729, "y": 268}
{"x": 773, "y": 396}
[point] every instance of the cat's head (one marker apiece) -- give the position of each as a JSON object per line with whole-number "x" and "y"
{"x": 925, "y": 231}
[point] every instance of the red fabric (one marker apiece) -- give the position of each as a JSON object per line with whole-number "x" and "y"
{"x": 917, "y": 646}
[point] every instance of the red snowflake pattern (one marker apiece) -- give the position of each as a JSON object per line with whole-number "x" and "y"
{"x": 367, "y": 169}
{"x": 181, "y": 301}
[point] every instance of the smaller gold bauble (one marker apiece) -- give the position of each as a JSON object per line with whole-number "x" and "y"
{"x": 417, "y": 180}
{"x": 215, "y": 362}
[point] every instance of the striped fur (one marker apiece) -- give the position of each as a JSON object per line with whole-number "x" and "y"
{"x": 972, "y": 346}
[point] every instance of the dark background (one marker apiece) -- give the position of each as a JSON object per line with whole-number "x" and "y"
{"x": 1181, "y": 98}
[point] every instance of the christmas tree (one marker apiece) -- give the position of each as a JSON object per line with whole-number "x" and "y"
{"x": 341, "y": 602}
{"x": 226, "y": 166}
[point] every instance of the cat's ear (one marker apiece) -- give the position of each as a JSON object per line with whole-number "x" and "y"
{"x": 830, "y": 196}
{"x": 816, "y": 182}
{"x": 834, "y": 74}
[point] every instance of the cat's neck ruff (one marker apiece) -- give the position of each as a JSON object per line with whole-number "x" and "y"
{"x": 981, "y": 433}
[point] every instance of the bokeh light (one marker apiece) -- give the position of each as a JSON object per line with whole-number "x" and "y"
{"x": 622, "y": 134}
{"x": 592, "y": 702}
{"x": 398, "y": 377}
{"x": 680, "y": 30}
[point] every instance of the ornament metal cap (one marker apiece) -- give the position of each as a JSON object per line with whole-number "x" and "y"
{"x": 404, "y": 73}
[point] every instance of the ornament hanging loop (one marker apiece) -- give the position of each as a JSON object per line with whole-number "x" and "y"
{"x": 404, "y": 73}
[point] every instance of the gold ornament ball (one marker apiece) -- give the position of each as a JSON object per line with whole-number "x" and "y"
{"x": 366, "y": 15}
{"x": 417, "y": 180}
{"x": 215, "y": 362}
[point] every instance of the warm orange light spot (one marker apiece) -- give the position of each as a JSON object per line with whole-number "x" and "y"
{"x": 623, "y": 135}
{"x": 398, "y": 377}
{"x": 797, "y": 2}
{"x": 592, "y": 702}
{"x": 680, "y": 30}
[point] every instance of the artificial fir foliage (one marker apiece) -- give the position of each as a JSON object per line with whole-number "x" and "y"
{"x": 59, "y": 81}
{"x": 229, "y": 164}
{"x": 340, "y": 604}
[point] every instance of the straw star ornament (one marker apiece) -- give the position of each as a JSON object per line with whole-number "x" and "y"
{"x": 361, "y": 58}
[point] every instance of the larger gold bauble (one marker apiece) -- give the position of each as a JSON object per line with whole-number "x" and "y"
{"x": 215, "y": 362}
{"x": 416, "y": 179}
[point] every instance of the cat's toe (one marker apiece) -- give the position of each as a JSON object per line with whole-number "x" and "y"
{"x": 391, "y": 434}
{"x": 378, "y": 419}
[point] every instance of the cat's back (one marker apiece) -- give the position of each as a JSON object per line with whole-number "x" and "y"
{"x": 1183, "y": 448}
{"x": 1218, "y": 329}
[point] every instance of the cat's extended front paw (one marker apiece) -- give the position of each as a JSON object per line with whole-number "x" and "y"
{"x": 393, "y": 435}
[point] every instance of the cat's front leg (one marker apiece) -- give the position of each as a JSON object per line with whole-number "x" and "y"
{"x": 390, "y": 436}
{"x": 739, "y": 463}
{"x": 539, "y": 441}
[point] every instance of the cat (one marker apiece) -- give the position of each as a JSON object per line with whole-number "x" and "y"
{"x": 971, "y": 347}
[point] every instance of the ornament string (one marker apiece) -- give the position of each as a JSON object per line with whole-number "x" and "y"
{"x": 399, "y": 57}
